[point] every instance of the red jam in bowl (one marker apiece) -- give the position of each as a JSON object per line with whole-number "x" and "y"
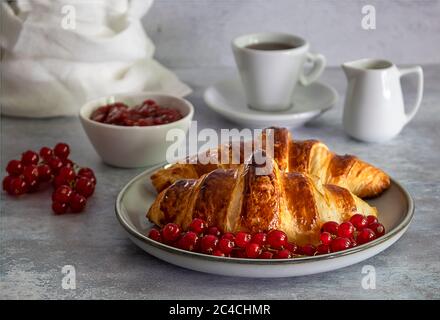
{"x": 148, "y": 113}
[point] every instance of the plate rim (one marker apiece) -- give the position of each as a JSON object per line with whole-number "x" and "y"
{"x": 200, "y": 256}
{"x": 269, "y": 116}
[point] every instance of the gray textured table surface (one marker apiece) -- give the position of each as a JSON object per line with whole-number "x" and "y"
{"x": 35, "y": 244}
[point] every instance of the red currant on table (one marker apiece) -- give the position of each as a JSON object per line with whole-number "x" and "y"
{"x": 330, "y": 227}
{"x": 188, "y": 241}
{"x": 282, "y": 254}
{"x": 340, "y": 244}
{"x": 170, "y": 232}
{"x": 242, "y": 239}
{"x": 359, "y": 221}
{"x": 14, "y": 167}
{"x": 266, "y": 255}
{"x": 77, "y": 202}
{"x": 44, "y": 172}
{"x": 84, "y": 187}
{"x": 7, "y": 183}
{"x": 62, "y": 150}
{"x": 29, "y": 157}
{"x": 208, "y": 243}
{"x": 17, "y": 186}
{"x": 259, "y": 238}
{"x": 46, "y": 153}
{"x": 30, "y": 173}
{"x": 155, "y": 235}
{"x": 226, "y": 245}
{"x": 253, "y": 250}
{"x": 62, "y": 194}
{"x": 378, "y": 229}
{"x": 198, "y": 225}
{"x": 88, "y": 173}
{"x": 345, "y": 230}
{"x": 276, "y": 239}
{"x": 55, "y": 164}
{"x": 67, "y": 173}
{"x": 325, "y": 238}
{"x": 59, "y": 208}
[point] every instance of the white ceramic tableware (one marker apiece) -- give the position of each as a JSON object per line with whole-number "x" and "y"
{"x": 131, "y": 147}
{"x": 227, "y": 99}
{"x": 374, "y": 110}
{"x": 395, "y": 206}
{"x": 270, "y": 76}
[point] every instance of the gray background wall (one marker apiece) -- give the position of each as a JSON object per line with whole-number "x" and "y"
{"x": 190, "y": 33}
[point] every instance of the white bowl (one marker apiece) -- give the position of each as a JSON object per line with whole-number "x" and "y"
{"x": 131, "y": 147}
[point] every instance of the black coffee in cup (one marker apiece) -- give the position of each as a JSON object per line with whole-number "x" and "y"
{"x": 268, "y": 46}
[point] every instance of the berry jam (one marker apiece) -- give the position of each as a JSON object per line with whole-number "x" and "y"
{"x": 148, "y": 113}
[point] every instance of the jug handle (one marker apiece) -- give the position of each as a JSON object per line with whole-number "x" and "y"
{"x": 419, "y": 72}
{"x": 318, "y": 61}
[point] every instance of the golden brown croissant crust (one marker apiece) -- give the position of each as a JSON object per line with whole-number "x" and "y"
{"x": 240, "y": 199}
{"x": 309, "y": 156}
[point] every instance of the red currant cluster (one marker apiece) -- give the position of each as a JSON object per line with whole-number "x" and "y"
{"x": 73, "y": 185}
{"x": 271, "y": 245}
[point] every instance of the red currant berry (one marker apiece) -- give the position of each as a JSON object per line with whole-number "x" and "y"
{"x": 226, "y": 245}
{"x": 15, "y": 168}
{"x": 323, "y": 249}
{"x": 242, "y": 239}
{"x": 325, "y": 238}
{"x": 149, "y": 102}
{"x": 46, "y": 153}
{"x": 365, "y": 235}
{"x": 88, "y": 173}
{"x": 67, "y": 173}
{"x": 44, "y": 172}
{"x": 17, "y": 186}
{"x": 155, "y": 235}
{"x": 77, "y": 202}
{"x": 55, "y": 164}
{"x": 188, "y": 241}
{"x": 68, "y": 163}
{"x": 62, "y": 194}
{"x": 330, "y": 227}
{"x": 353, "y": 243}
{"x": 218, "y": 253}
{"x": 32, "y": 185}
{"x": 308, "y": 250}
{"x": 282, "y": 254}
{"x": 229, "y": 236}
{"x": 30, "y": 173}
{"x": 238, "y": 253}
{"x": 371, "y": 220}
{"x": 84, "y": 187}
{"x": 340, "y": 244}
{"x": 208, "y": 243}
{"x": 198, "y": 225}
{"x": 378, "y": 229}
{"x": 61, "y": 150}
{"x": 358, "y": 221}
{"x": 170, "y": 232}
{"x": 253, "y": 250}
{"x": 29, "y": 157}
{"x": 59, "y": 181}
{"x": 214, "y": 231}
{"x": 276, "y": 239}
{"x": 7, "y": 183}
{"x": 345, "y": 230}
{"x": 59, "y": 208}
{"x": 292, "y": 247}
{"x": 259, "y": 238}
{"x": 266, "y": 255}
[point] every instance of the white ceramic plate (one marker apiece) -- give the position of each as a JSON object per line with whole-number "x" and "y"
{"x": 227, "y": 99}
{"x": 396, "y": 209}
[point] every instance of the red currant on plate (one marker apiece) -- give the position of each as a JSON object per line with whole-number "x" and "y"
{"x": 365, "y": 235}
{"x": 218, "y": 253}
{"x": 253, "y": 250}
{"x": 229, "y": 236}
{"x": 378, "y": 229}
{"x": 188, "y": 241}
{"x": 259, "y": 238}
{"x": 345, "y": 230}
{"x": 266, "y": 255}
{"x": 170, "y": 232}
{"x": 198, "y": 225}
{"x": 371, "y": 220}
{"x": 291, "y": 247}
{"x": 340, "y": 244}
{"x": 323, "y": 249}
{"x": 214, "y": 231}
{"x": 282, "y": 254}
{"x": 325, "y": 238}
{"x": 330, "y": 227}
{"x": 15, "y": 167}
{"x": 276, "y": 239}
{"x": 242, "y": 239}
{"x": 308, "y": 249}
{"x": 358, "y": 221}
{"x": 155, "y": 235}
{"x": 208, "y": 243}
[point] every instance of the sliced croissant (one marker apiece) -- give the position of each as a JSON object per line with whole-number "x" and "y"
{"x": 310, "y": 156}
{"x": 240, "y": 199}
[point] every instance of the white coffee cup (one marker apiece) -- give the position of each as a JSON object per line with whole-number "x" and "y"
{"x": 269, "y": 76}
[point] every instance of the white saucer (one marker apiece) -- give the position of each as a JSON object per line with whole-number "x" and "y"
{"x": 227, "y": 99}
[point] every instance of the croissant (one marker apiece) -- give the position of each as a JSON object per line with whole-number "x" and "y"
{"x": 240, "y": 199}
{"x": 309, "y": 156}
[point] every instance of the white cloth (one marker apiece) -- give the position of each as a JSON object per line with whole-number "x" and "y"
{"x": 49, "y": 69}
